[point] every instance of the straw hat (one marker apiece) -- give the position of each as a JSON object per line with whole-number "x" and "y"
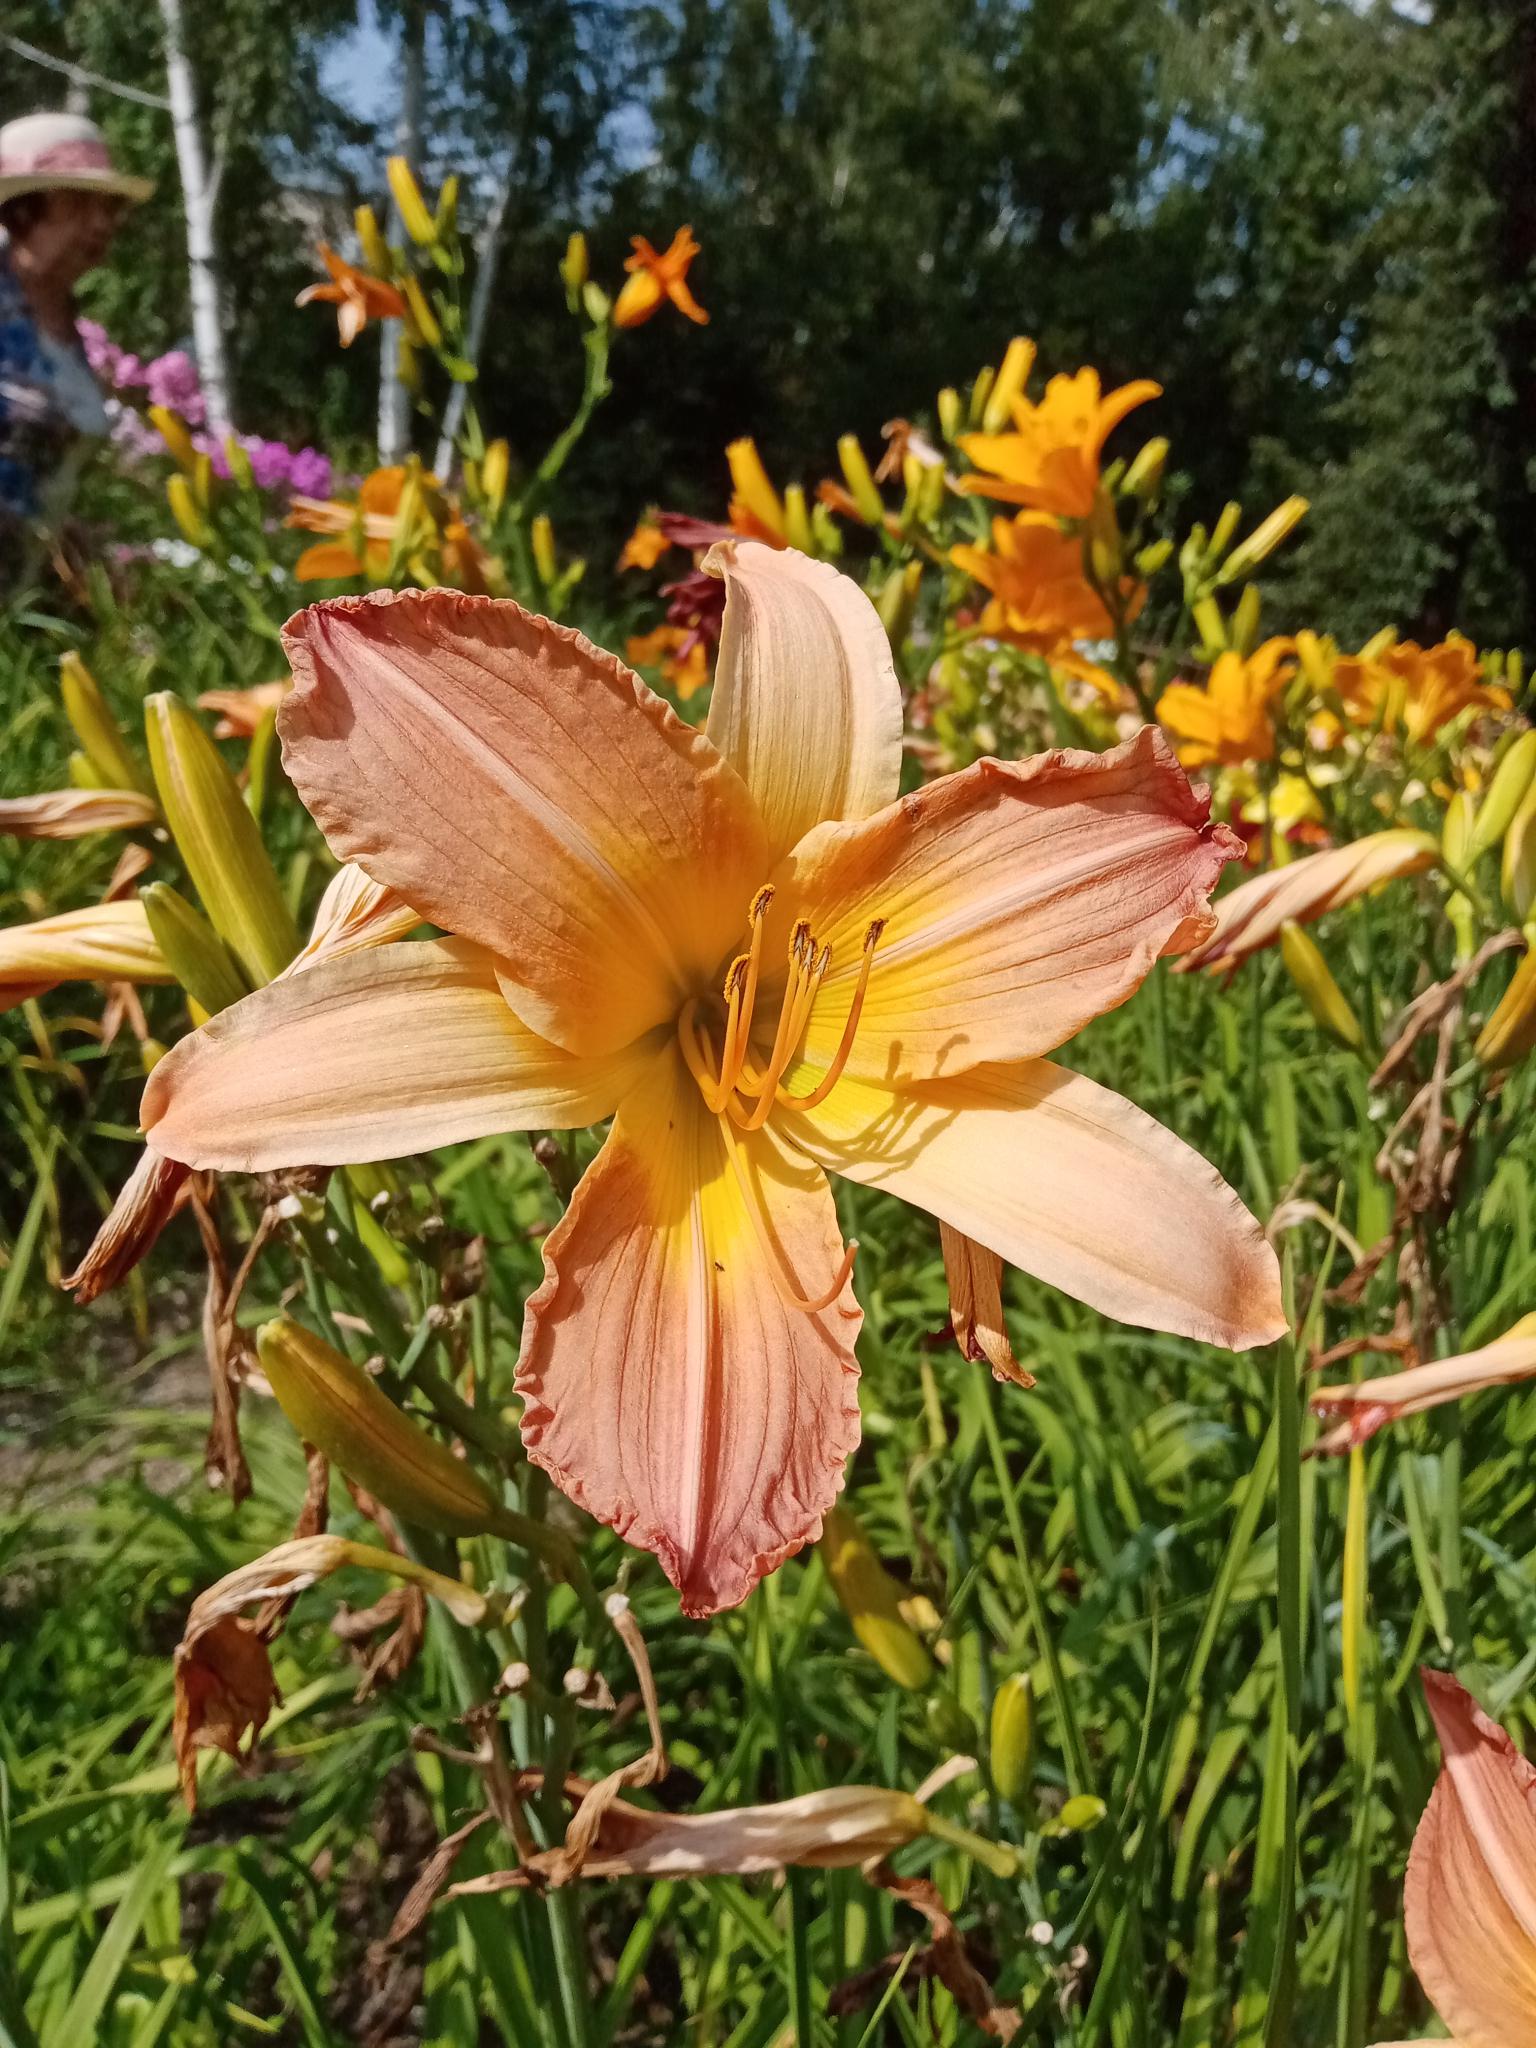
{"x": 62, "y": 153}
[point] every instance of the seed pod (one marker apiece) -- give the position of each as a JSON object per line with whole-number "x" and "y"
{"x": 1013, "y": 1737}
{"x": 871, "y": 1599}
{"x": 1317, "y": 987}
{"x": 335, "y": 1406}
{"x": 1512, "y": 783}
{"x": 218, "y": 839}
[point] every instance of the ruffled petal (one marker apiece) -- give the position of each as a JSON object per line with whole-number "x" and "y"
{"x": 1070, "y": 1182}
{"x": 523, "y": 788}
{"x": 1019, "y": 900}
{"x": 806, "y": 707}
{"x": 671, "y": 1390}
{"x": 370, "y": 1056}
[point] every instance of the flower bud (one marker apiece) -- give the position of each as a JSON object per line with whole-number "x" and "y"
{"x": 334, "y": 1405}
{"x": 575, "y": 268}
{"x": 871, "y": 1599}
{"x": 861, "y": 484}
{"x": 1517, "y": 874}
{"x": 198, "y": 957}
{"x": 1264, "y": 539}
{"x": 371, "y": 244}
{"x": 1455, "y": 846}
{"x": 446, "y": 219}
{"x": 1013, "y": 1737}
{"x": 96, "y": 729}
{"x": 419, "y": 224}
{"x": 749, "y": 481}
{"x": 1512, "y": 783}
{"x": 595, "y": 303}
{"x": 239, "y": 463}
{"x": 1153, "y": 556}
{"x": 422, "y": 315}
{"x": 797, "y": 520}
{"x": 1223, "y": 530}
{"x": 218, "y": 839}
{"x": 408, "y": 362}
{"x": 173, "y": 432}
{"x": 541, "y": 538}
{"x": 950, "y": 413}
{"x": 981, "y": 391}
{"x": 1243, "y": 633}
{"x": 1145, "y": 474}
{"x": 1510, "y": 1032}
{"x": 184, "y": 510}
{"x": 949, "y": 1724}
{"x": 1317, "y": 987}
{"x": 1016, "y": 365}
{"x": 898, "y": 601}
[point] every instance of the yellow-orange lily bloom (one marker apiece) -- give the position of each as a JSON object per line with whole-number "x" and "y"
{"x": 357, "y": 296}
{"x": 679, "y": 653}
{"x": 1469, "y": 1904}
{"x": 769, "y": 964}
{"x": 1419, "y": 689}
{"x": 656, "y": 275}
{"x": 1040, "y": 599}
{"x": 1357, "y": 1412}
{"x": 1250, "y": 916}
{"x": 1050, "y": 461}
{"x": 645, "y": 546}
{"x": 1228, "y": 721}
{"x": 240, "y": 714}
{"x": 102, "y": 942}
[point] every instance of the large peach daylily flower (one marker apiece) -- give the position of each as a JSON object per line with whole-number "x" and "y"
{"x": 1469, "y": 1904}
{"x": 1370, "y": 1404}
{"x": 655, "y": 275}
{"x": 1228, "y": 721}
{"x": 1050, "y": 461}
{"x": 768, "y": 964}
{"x": 357, "y": 297}
{"x": 1250, "y": 916}
{"x": 1419, "y": 689}
{"x": 1040, "y": 599}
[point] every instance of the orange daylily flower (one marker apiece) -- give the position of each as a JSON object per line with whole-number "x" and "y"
{"x": 1040, "y": 598}
{"x": 645, "y": 546}
{"x": 1419, "y": 689}
{"x": 357, "y": 296}
{"x": 1469, "y": 1904}
{"x": 656, "y": 276}
{"x": 369, "y": 524}
{"x": 1050, "y": 462}
{"x": 1368, "y": 1406}
{"x": 241, "y": 713}
{"x": 1228, "y": 720}
{"x": 680, "y": 655}
{"x": 766, "y": 964}
{"x": 1250, "y": 916}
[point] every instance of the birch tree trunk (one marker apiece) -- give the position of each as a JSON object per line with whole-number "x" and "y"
{"x": 487, "y": 256}
{"x": 199, "y": 187}
{"x": 394, "y": 399}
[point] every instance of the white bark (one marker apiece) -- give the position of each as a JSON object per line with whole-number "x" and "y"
{"x": 394, "y": 399}
{"x": 199, "y": 187}
{"x": 487, "y": 256}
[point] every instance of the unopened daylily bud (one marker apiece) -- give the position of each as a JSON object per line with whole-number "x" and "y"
{"x": 871, "y": 1599}
{"x": 1244, "y": 630}
{"x": 172, "y": 429}
{"x": 493, "y": 475}
{"x": 422, "y": 314}
{"x": 1517, "y": 872}
{"x": 1317, "y": 987}
{"x": 446, "y": 219}
{"x": 1013, "y": 1737}
{"x": 408, "y": 361}
{"x": 1016, "y": 365}
{"x": 575, "y": 268}
{"x": 1455, "y": 846}
{"x": 371, "y": 244}
{"x": 414, "y": 212}
{"x": 239, "y": 463}
{"x": 218, "y": 839}
{"x": 84, "y": 774}
{"x": 898, "y": 601}
{"x": 1212, "y": 627}
{"x": 1153, "y": 556}
{"x": 1317, "y": 657}
{"x": 334, "y": 1405}
{"x": 950, "y": 412}
{"x": 1512, "y": 782}
{"x": 949, "y": 1724}
{"x": 96, "y": 729}
{"x": 184, "y": 510}
{"x": 201, "y": 480}
{"x": 750, "y": 482}
{"x": 861, "y": 484}
{"x": 1264, "y": 539}
{"x": 541, "y": 538}
{"x": 1510, "y": 1032}
{"x": 797, "y": 520}
{"x": 1146, "y": 471}
{"x": 595, "y": 303}
{"x": 1223, "y": 530}
{"x": 981, "y": 391}
{"x": 198, "y": 957}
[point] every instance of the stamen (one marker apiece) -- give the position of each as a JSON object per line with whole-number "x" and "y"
{"x": 799, "y": 996}
{"x": 834, "y": 1073}
{"x": 688, "y": 1037}
{"x": 739, "y": 1024}
{"x": 783, "y": 1279}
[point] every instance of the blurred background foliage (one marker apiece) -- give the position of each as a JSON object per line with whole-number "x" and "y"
{"x": 1306, "y": 217}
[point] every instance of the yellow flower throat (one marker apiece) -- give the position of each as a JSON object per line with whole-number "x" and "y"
{"x": 742, "y": 1093}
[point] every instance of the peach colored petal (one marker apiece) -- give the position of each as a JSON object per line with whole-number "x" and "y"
{"x": 671, "y": 1390}
{"x": 353, "y": 914}
{"x": 71, "y": 813}
{"x": 1363, "y": 1409}
{"x": 1020, "y": 899}
{"x": 326, "y": 562}
{"x": 102, "y": 942}
{"x": 1470, "y": 1898}
{"x": 241, "y": 713}
{"x": 520, "y": 786}
{"x": 368, "y": 1057}
{"x": 1249, "y": 917}
{"x": 807, "y": 707}
{"x": 1068, "y": 1181}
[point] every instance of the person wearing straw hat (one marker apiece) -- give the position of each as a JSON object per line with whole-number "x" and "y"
{"x": 61, "y": 200}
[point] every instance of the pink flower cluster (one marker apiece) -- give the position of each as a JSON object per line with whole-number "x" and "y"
{"x": 171, "y": 380}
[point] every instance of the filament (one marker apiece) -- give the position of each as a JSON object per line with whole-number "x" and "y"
{"x": 783, "y": 1278}
{"x": 834, "y": 1073}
